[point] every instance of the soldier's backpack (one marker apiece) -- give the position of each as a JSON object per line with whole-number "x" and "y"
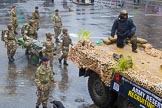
{"x": 3, "y": 33}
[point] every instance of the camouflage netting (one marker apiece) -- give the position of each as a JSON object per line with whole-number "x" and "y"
{"x": 89, "y": 56}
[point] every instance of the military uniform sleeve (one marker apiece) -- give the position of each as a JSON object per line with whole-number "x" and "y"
{"x": 71, "y": 41}
{"x": 5, "y": 36}
{"x": 132, "y": 26}
{"x": 61, "y": 20}
{"x": 37, "y": 81}
{"x": 114, "y": 27}
{"x": 53, "y": 18}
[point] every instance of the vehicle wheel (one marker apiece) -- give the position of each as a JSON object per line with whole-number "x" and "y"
{"x": 98, "y": 91}
{"x": 34, "y": 59}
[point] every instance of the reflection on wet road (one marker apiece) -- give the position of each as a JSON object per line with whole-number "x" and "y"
{"x": 17, "y": 88}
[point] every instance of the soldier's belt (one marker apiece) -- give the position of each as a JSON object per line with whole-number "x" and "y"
{"x": 44, "y": 82}
{"x": 49, "y": 51}
{"x": 11, "y": 39}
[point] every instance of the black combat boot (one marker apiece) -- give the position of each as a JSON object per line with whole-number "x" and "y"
{"x": 37, "y": 106}
{"x": 15, "y": 32}
{"x": 135, "y": 51}
{"x": 59, "y": 61}
{"x": 65, "y": 63}
{"x": 44, "y": 107}
{"x": 57, "y": 40}
{"x": 12, "y": 58}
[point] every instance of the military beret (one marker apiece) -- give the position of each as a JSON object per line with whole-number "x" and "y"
{"x": 44, "y": 59}
{"x": 13, "y": 6}
{"x": 56, "y": 10}
{"x": 36, "y": 7}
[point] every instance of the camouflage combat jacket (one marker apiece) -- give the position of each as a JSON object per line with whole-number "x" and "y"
{"x": 66, "y": 40}
{"x": 10, "y": 37}
{"x": 44, "y": 77}
{"x": 35, "y": 15}
{"x": 13, "y": 13}
{"x": 57, "y": 21}
{"x": 31, "y": 32}
{"x": 14, "y": 21}
{"x": 49, "y": 44}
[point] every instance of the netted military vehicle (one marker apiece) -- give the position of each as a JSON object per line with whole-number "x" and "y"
{"x": 119, "y": 77}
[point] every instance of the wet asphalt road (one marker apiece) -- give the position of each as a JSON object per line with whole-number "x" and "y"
{"x": 17, "y": 88}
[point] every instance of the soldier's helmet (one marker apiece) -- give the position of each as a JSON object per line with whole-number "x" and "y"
{"x": 65, "y": 30}
{"x": 123, "y": 12}
{"x": 48, "y": 34}
{"x": 9, "y": 26}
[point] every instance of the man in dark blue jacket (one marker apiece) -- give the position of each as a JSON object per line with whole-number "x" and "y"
{"x": 124, "y": 28}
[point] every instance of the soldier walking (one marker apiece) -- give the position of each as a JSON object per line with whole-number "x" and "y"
{"x": 66, "y": 42}
{"x": 36, "y": 17}
{"x": 13, "y": 18}
{"x": 44, "y": 78}
{"x": 11, "y": 42}
{"x": 48, "y": 48}
{"x": 57, "y": 21}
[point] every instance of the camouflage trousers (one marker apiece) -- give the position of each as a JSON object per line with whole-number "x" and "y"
{"x": 14, "y": 22}
{"x": 64, "y": 55}
{"x": 38, "y": 24}
{"x": 11, "y": 49}
{"x": 42, "y": 97}
{"x": 57, "y": 31}
{"x": 50, "y": 56}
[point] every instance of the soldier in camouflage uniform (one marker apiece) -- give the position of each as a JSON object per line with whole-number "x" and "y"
{"x": 44, "y": 78}
{"x": 57, "y": 21}
{"x": 13, "y": 18}
{"x": 11, "y": 42}
{"x": 48, "y": 48}
{"x": 32, "y": 30}
{"x": 66, "y": 42}
{"x": 36, "y": 17}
